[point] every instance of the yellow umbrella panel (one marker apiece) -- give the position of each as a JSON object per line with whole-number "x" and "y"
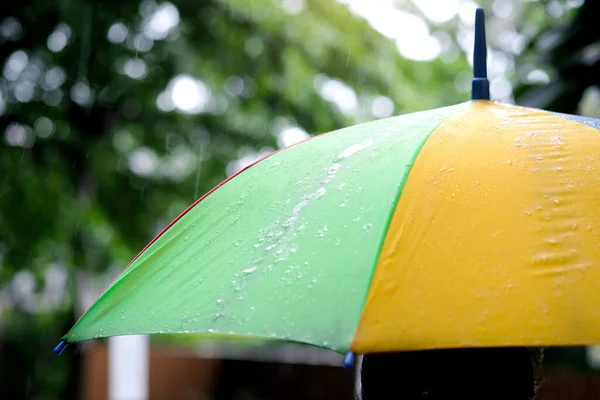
{"x": 495, "y": 240}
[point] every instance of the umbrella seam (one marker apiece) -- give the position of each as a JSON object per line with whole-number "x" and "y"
{"x": 398, "y": 195}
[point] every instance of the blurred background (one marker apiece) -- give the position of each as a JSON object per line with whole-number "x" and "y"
{"x": 115, "y": 115}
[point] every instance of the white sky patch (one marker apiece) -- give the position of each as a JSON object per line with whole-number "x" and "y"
{"x": 410, "y": 32}
{"x": 466, "y": 12}
{"x": 337, "y": 92}
{"x": 293, "y": 6}
{"x": 382, "y": 107}
{"x": 291, "y": 135}
{"x": 189, "y": 95}
{"x": 161, "y": 21}
{"x": 249, "y": 158}
{"x": 143, "y": 162}
{"x": 439, "y": 11}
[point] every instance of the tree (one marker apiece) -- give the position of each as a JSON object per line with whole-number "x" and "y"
{"x": 569, "y": 52}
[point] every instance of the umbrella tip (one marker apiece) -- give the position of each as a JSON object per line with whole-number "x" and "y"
{"x": 349, "y": 360}
{"x": 481, "y": 85}
{"x": 60, "y": 347}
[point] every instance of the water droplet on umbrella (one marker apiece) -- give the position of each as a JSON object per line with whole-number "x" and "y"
{"x": 249, "y": 270}
{"x": 355, "y": 148}
{"x": 367, "y": 226}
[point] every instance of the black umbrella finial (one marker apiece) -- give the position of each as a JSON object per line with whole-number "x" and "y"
{"x": 481, "y": 85}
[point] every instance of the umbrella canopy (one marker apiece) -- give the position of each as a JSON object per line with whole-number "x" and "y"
{"x": 471, "y": 225}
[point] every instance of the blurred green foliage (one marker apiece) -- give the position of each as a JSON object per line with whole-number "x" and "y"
{"x": 97, "y": 155}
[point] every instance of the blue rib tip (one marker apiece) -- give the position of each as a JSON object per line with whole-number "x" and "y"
{"x": 481, "y": 85}
{"x": 349, "y": 359}
{"x": 60, "y": 347}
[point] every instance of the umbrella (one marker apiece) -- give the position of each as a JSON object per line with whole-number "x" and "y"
{"x": 474, "y": 225}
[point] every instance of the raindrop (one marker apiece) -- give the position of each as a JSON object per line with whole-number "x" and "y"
{"x": 367, "y": 226}
{"x": 333, "y": 169}
{"x": 572, "y": 225}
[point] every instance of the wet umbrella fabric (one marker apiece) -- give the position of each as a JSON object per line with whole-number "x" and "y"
{"x": 470, "y": 225}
